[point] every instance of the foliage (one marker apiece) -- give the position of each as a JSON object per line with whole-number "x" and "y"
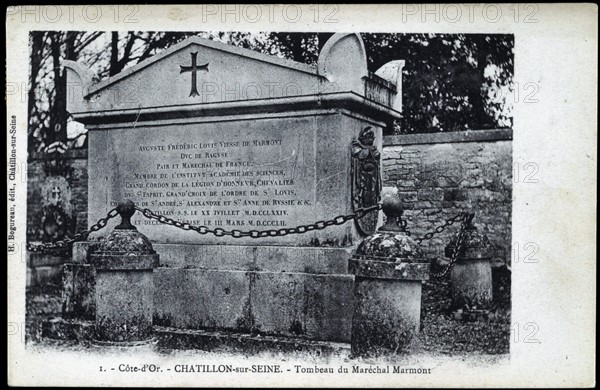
{"x": 445, "y": 85}
{"x": 451, "y": 82}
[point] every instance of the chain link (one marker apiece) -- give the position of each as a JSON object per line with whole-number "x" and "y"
{"x": 53, "y": 246}
{"x": 219, "y": 232}
{"x": 458, "y": 247}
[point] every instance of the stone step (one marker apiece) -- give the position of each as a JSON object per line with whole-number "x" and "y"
{"x": 167, "y": 338}
{"x": 219, "y": 341}
{"x": 66, "y": 329}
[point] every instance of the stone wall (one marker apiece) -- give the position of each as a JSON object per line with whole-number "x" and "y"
{"x": 57, "y": 199}
{"x": 441, "y": 174}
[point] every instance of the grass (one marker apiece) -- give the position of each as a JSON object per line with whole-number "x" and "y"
{"x": 442, "y": 331}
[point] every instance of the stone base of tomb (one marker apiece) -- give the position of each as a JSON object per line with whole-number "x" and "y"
{"x": 276, "y": 290}
{"x": 166, "y": 338}
{"x": 295, "y": 304}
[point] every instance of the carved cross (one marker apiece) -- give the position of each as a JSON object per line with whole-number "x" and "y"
{"x": 56, "y": 194}
{"x": 193, "y": 68}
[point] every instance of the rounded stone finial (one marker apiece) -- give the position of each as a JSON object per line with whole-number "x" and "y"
{"x": 391, "y": 205}
{"x": 391, "y": 243}
{"x": 125, "y": 248}
{"x": 125, "y": 241}
{"x": 126, "y": 210}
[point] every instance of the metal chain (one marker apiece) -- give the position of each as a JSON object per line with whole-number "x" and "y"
{"x": 220, "y": 232}
{"x": 441, "y": 228}
{"x": 51, "y": 246}
{"x": 457, "y": 247}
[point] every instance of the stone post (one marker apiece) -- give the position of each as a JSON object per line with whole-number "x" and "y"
{"x": 124, "y": 262}
{"x": 389, "y": 269}
{"x": 471, "y": 276}
{"x": 79, "y": 285}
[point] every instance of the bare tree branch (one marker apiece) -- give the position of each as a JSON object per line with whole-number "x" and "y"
{"x": 91, "y": 38}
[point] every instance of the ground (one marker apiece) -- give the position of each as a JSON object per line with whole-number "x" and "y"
{"x": 443, "y": 333}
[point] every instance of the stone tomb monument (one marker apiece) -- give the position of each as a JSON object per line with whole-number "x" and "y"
{"x": 228, "y": 138}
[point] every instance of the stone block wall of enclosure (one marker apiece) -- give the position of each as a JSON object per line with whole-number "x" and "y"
{"x": 441, "y": 174}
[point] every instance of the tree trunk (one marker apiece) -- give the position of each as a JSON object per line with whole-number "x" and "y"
{"x": 114, "y": 54}
{"x": 58, "y": 122}
{"x": 37, "y": 48}
{"x": 475, "y": 96}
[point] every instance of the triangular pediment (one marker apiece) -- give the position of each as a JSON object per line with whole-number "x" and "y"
{"x": 222, "y": 72}
{"x": 207, "y": 76}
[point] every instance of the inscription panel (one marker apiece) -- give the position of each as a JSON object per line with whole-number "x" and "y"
{"x": 232, "y": 175}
